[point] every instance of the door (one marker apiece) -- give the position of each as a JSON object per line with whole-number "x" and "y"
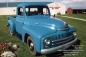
{"x": 20, "y": 20}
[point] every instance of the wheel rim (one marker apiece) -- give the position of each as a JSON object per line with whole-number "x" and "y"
{"x": 31, "y": 46}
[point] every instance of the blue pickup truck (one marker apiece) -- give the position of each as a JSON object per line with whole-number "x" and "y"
{"x": 43, "y": 33}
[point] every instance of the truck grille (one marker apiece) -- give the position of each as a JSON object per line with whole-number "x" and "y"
{"x": 58, "y": 42}
{"x": 62, "y": 41}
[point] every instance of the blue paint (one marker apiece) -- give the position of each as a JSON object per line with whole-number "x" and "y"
{"x": 40, "y": 27}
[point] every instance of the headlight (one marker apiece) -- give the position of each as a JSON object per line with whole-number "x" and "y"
{"x": 47, "y": 42}
{"x": 74, "y": 33}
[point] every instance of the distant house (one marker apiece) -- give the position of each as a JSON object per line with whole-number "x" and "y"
{"x": 78, "y": 7}
{"x": 75, "y": 11}
{"x": 57, "y": 8}
{"x": 8, "y": 8}
{"x": 79, "y": 11}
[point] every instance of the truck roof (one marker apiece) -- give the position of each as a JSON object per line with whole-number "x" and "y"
{"x": 23, "y": 4}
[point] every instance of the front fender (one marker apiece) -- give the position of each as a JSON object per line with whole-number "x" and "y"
{"x": 11, "y": 22}
{"x": 35, "y": 37}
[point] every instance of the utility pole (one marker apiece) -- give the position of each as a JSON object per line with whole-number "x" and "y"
{"x": 7, "y": 3}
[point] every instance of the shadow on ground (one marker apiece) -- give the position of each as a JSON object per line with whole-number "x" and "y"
{"x": 57, "y": 54}
{"x": 62, "y": 53}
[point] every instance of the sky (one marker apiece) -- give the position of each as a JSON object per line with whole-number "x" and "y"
{"x": 28, "y": 0}
{"x": 76, "y": 4}
{"x": 67, "y": 3}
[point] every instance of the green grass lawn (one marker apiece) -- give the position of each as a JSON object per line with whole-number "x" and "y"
{"x": 23, "y": 51}
{"x": 5, "y": 37}
{"x": 81, "y": 31}
{"x": 82, "y": 16}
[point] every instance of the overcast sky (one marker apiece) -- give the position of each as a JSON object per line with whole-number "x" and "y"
{"x": 65, "y": 1}
{"x": 28, "y": 0}
{"x": 68, "y": 3}
{"x": 75, "y": 3}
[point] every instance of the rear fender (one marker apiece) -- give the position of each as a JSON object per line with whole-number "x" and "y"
{"x": 11, "y": 24}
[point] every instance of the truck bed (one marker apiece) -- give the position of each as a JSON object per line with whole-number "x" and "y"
{"x": 11, "y": 17}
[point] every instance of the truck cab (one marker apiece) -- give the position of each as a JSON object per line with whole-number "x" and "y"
{"x": 43, "y": 34}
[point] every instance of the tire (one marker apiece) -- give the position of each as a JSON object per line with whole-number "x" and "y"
{"x": 31, "y": 45}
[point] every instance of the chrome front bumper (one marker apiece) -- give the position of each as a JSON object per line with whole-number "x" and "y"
{"x": 61, "y": 47}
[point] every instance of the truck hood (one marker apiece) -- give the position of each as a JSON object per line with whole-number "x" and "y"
{"x": 44, "y": 25}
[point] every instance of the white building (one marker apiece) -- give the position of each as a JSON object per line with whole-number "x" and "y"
{"x": 57, "y": 8}
{"x": 8, "y": 11}
{"x": 8, "y": 8}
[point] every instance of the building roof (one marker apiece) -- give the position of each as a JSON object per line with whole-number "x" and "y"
{"x": 9, "y": 4}
{"x": 14, "y": 4}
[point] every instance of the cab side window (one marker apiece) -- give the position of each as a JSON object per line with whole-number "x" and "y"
{"x": 20, "y": 11}
{"x": 45, "y": 11}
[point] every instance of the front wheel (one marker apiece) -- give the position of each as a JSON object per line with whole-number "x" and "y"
{"x": 31, "y": 45}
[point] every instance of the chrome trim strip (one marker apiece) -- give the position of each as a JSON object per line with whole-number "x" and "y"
{"x": 62, "y": 38}
{"x": 61, "y": 47}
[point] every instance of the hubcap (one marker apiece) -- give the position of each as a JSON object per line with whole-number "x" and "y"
{"x": 31, "y": 46}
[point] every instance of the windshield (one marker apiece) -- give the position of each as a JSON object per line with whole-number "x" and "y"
{"x": 36, "y": 10}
